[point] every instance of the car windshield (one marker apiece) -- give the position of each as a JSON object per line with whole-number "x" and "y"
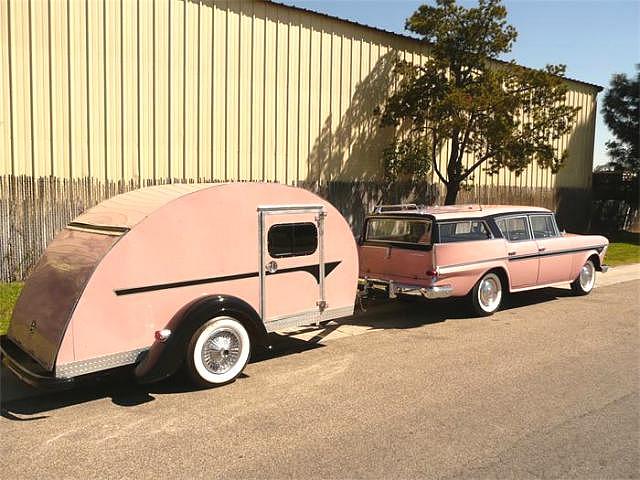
{"x": 399, "y": 230}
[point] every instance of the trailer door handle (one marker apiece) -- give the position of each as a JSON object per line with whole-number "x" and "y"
{"x": 511, "y": 254}
{"x": 271, "y": 267}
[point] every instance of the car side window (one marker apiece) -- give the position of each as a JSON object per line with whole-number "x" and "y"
{"x": 463, "y": 231}
{"x": 543, "y": 226}
{"x": 514, "y": 229}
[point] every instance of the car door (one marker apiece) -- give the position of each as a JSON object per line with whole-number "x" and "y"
{"x": 555, "y": 261}
{"x": 522, "y": 250}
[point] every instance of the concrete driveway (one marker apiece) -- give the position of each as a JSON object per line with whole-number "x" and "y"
{"x": 548, "y": 387}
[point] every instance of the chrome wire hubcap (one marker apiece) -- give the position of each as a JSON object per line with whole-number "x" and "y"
{"x": 221, "y": 351}
{"x": 489, "y": 294}
{"x": 587, "y": 274}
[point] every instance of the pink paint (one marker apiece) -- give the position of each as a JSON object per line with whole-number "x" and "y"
{"x": 174, "y": 234}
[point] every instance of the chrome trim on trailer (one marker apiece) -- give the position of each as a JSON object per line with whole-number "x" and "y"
{"x": 82, "y": 367}
{"x": 264, "y": 210}
{"x": 308, "y": 317}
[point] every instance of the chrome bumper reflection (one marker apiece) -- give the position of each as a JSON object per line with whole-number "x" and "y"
{"x": 394, "y": 288}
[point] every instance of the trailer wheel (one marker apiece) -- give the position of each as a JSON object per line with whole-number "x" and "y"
{"x": 218, "y": 351}
{"x": 486, "y": 295}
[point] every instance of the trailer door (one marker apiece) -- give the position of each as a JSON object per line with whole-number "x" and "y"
{"x": 292, "y": 268}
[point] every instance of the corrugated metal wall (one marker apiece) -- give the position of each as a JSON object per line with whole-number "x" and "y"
{"x": 145, "y": 90}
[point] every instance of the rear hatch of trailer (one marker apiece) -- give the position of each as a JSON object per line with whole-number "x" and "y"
{"x": 51, "y": 292}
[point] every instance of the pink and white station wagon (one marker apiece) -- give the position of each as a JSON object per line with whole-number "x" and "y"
{"x": 482, "y": 252}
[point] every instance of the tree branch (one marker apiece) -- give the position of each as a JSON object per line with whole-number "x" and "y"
{"x": 465, "y": 139}
{"x": 476, "y": 165}
{"x": 434, "y": 144}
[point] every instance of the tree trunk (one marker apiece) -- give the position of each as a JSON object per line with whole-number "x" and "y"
{"x": 452, "y": 193}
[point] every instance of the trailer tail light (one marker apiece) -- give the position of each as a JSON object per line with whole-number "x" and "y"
{"x": 163, "y": 335}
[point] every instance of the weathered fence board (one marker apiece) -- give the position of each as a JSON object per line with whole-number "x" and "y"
{"x": 33, "y": 211}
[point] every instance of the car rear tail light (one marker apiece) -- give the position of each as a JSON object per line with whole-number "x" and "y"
{"x": 433, "y": 273}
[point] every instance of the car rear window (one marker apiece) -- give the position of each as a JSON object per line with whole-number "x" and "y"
{"x": 399, "y": 230}
{"x": 463, "y": 231}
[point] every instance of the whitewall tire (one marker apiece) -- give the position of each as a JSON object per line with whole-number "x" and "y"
{"x": 586, "y": 279}
{"x": 486, "y": 296}
{"x": 218, "y": 351}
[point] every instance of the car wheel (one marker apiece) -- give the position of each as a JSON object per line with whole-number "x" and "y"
{"x": 586, "y": 279}
{"x": 486, "y": 295}
{"x": 218, "y": 352}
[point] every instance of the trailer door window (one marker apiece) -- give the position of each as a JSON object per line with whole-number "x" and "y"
{"x": 292, "y": 239}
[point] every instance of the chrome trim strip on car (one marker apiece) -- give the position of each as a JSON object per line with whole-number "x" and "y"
{"x": 456, "y": 265}
{"x": 313, "y": 269}
{"x": 105, "y": 362}
{"x": 598, "y": 248}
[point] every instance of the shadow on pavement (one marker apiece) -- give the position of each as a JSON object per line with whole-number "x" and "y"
{"x": 406, "y": 313}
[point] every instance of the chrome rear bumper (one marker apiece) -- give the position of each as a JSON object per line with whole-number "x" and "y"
{"x": 394, "y": 288}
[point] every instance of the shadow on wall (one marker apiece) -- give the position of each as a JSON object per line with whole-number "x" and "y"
{"x": 351, "y": 150}
{"x": 573, "y": 181}
{"x": 345, "y": 163}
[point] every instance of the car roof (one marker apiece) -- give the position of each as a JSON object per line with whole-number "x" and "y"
{"x": 454, "y": 212}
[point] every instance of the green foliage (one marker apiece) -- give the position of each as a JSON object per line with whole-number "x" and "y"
{"x": 9, "y": 293}
{"x": 621, "y": 110}
{"x": 502, "y": 114}
{"x": 624, "y": 249}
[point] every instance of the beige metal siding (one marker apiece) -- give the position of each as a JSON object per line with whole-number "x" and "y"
{"x": 148, "y": 90}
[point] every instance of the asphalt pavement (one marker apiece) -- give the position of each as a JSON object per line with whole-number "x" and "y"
{"x": 549, "y": 387}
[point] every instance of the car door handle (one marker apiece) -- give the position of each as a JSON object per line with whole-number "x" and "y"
{"x": 542, "y": 249}
{"x": 511, "y": 254}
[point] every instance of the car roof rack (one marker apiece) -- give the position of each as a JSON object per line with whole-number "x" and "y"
{"x": 400, "y": 206}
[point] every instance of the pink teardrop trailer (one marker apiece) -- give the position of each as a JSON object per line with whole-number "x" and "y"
{"x": 178, "y": 274}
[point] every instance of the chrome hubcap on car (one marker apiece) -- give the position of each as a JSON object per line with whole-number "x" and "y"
{"x": 490, "y": 293}
{"x": 587, "y": 276}
{"x": 221, "y": 351}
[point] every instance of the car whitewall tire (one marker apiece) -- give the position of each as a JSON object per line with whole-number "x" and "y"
{"x": 486, "y": 296}
{"x": 586, "y": 279}
{"x": 218, "y": 351}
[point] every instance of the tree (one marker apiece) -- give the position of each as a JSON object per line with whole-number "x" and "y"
{"x": 621, "y": 110}
{"x": 501, "y": 114}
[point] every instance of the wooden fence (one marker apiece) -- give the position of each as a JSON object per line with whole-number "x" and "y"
{"x": 33, "y": 211}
